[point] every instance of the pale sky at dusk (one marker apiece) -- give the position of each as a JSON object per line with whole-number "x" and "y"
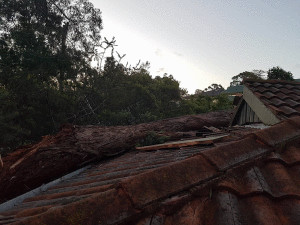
{"x": 201, "y": 42}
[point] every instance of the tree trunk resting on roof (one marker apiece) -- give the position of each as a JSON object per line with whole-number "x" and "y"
{"x": 75, "y": 146}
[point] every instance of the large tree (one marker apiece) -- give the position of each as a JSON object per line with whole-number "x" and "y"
{"x": 45, "y": 46}
{"x": 277, "y": 73}
{"x": 238, "y": 79}
{"x": 52, "y": 40}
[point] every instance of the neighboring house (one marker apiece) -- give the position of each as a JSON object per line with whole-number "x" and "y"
{"x": 234, "y": 93}
{"x": 234, "y": 90}
{"x": 214, "y": 92}
{"x": 267, "y": 101}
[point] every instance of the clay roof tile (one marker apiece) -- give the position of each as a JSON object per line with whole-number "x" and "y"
{"x": 253, "y": 180}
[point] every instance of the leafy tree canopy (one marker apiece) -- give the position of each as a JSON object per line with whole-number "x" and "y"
{"x": 46, "y": 77}
{"x": 277, "y": 73}
{"x": 238, "y": 79}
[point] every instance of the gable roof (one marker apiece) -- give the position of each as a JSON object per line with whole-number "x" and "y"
{"x": 271, "y": 100}
{"x": 253, "y": 180}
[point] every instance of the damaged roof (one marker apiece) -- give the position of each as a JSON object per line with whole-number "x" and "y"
{"x": 254, "y": 179}
{"x": 74, "y": 147}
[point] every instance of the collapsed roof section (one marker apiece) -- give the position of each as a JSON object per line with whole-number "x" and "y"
{"x": 77, "y": 146}
{"x": 251, "y": 180}
{"x": 268, "y": 101}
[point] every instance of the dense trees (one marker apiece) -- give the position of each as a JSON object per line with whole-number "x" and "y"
{"x": 274, "y": 73}
{"x": 45, "y": 47}
{"x": 277, "y": 73}
{"x": 238, "y": 79}
{"x": 46, "y": 77}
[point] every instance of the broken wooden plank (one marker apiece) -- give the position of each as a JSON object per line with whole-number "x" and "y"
{"x": 178, "y": 144}
{"x": 213, "y": 129}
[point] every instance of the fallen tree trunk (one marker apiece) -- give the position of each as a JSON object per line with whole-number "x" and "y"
{"x": 75, "y": 146}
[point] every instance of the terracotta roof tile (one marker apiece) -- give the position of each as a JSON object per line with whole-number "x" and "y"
{"x": 275, "y": 101}
{"x": 286, "y": 90}
{"x": 292, "y": 102}
{"x": 281, "y": 132}
{"x": 275, "y": 85}
{"x": 226, "y": 156}
{"x": 154, "y": 185}
{"x": 282, "y": 95}
{"x": 288, "y": 111}
{"x": 254, "y": 180}
{"x": 269, "y": 95}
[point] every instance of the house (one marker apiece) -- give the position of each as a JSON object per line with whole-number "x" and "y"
{"x": 267, "y": 101}
{"x": 250, "y": 180}
{"x": 249, "y": 176}
{"x": 234, "y": 90}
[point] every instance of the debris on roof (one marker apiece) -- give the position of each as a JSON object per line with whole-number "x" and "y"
{"x": 76, "y": 146}
{"x": 268, "y": 101}
{"x": 213, "y": 129}
{"x": 178, "y": 144}
{"x": 254, "y": 179}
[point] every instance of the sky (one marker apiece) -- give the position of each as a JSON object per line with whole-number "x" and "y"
{"x": 201, "y": 42}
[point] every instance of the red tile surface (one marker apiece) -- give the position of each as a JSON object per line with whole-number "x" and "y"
{"x": 280, "y": 96}
{"x": 253, "y": 180}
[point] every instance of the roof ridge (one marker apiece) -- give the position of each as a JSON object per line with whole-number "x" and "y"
{"x": 273, "y": 81}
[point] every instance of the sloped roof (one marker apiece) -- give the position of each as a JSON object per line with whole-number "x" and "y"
{"x": 282, "y": 97}
{"x": 73, "y": 147}
{"x": 252, "y": 180}
{"x": 268, "y": 101}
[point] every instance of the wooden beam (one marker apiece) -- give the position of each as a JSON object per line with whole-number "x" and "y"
{"x": 178, "y": 144}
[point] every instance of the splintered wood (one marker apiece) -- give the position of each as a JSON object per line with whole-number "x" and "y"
{"x": 1, "y": 162}
{"x": 179, "y": 144}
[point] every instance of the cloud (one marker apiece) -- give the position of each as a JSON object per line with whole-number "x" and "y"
{"x": 159, "y": 52}
{"x": 177, "y": 54}
{"x": 161, "y": 70}
{"x": 297, "y": 66}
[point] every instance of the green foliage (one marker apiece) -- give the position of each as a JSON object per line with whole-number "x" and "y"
{"x": 255, "y": 75}
{"x": 277, "y": 73}
{"x": 46, "y": 78}
{"x": 202, "y": 103}
{"x": 11, "y": 133}
{"x": 152, "y": 138}
{"x": 45, "y": 47}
